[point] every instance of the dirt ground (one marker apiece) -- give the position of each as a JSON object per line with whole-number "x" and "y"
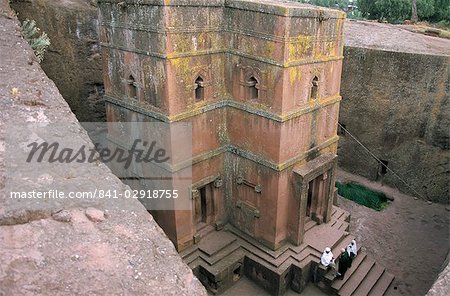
{"x": 410, "y": 237}
{"x": 393, "y": 38}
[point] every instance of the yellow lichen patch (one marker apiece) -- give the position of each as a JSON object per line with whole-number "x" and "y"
{"x": 339, "y": 25}
{"x": 318, "y": 51}
{"x": 202, "y": 40}
{"x": 272, "y": 73}
{"x": 181, "y": 67}
{"x": 181, "y": 43}
{"x": 222, "y": 132}
{"x": 247, "y": 45}
{"x": 269, "y": 49}
{"x": 215, "y": 40}
{"x": 294, "y": 74}
{"x": 298, "y": 47}
{"x": 327, "y": 48}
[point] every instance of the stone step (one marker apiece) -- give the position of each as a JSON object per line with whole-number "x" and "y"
{"x": 369, "y": 281}
{"x": 337, "y": 224}
{"x": 245, "y": 239}
{"x": 309, "y": 224}
{"x": 186, "y": 253}
{"x": 355, "y": 264}
{"x": 226, "y": 262}
{"x": 275, "y": 262}
{"x": 194, "y": 263}
{"x": 382, "y": 284}
{"x": 344, "y": 227}
{"x": 308, "y": 259}
{"x": 340, "y": 224}
{"x": 305, "y": 253}
{"x": 357, "y": 277}
{"x": 339, "y": 214}
{"x": 216, "y": 257}
{"x": 216, "y": 241}
{"x": 344, "y": 241}
{"x": 191, "y": 257}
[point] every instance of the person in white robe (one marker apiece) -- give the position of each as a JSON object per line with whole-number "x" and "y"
{"x": 352, "y": 249}
{"x": 327, "y": 259}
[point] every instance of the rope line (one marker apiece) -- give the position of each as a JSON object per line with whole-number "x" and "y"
{"x": 374, "y": 156}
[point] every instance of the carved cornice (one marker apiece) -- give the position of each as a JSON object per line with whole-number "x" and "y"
{"x": 144, "y": 109}
{"x": 306, "y": 61}
{"x": 246, "y": 154}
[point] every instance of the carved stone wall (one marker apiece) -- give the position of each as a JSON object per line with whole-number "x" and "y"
{"x": 258, "y": 63}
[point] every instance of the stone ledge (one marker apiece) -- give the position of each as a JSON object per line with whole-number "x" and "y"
{"x": 276, "y": 7}
{"x": 50, "y": 246}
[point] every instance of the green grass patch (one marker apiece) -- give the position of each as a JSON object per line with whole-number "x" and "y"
{"x": 362, "y": 195}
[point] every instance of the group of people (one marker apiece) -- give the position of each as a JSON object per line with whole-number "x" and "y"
{"x": 345, "y": 259}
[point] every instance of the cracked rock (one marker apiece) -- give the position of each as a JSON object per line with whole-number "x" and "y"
{"x": 95, "y": 215}
{"x": 62, "y": 216}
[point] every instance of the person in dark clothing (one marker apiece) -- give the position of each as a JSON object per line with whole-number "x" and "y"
{"x": 344, "y": 263}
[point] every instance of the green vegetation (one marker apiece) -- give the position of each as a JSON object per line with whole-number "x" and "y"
{"x": 362, "y": 195}
{"x": 37, "y": 40}
{"x": 394, "y": 11}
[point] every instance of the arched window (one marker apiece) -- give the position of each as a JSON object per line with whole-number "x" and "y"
{"x": 132, "y": 89}
{"x": 253, "y": 92}
{"x": 199, "y": 89}
{"x": 314, "y": 87}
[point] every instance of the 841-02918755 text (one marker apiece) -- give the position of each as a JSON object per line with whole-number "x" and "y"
{"x": 151, "y": 193}
{"x": 140, "y": 194}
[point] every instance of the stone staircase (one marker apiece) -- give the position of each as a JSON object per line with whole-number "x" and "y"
{"x": 219, "y": 257}
{"x": 364, "y": 277}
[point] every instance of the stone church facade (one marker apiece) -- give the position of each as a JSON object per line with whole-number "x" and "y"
{"x": 259, "y": 81}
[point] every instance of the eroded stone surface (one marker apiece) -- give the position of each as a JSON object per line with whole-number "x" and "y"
{"x": 128, "y": 253}
{"x": 442, "y": 284}
{"x": 73, "y": 59}
{"x": 95, "y": 215}
{"x": 62, "y": 216}
{"x": 400, "y": 90}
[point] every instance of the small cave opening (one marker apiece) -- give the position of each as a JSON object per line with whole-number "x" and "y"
{"x": 237, "y": 272}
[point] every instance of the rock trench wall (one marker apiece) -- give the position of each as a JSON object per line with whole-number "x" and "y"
{"x": 397, "y": 104}
{"x": 61, "y": 246}
{"x": 73, "y": 59}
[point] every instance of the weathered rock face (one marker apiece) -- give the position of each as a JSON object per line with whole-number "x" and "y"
{"x": 442, "y": 284}
{"x": 55, "y": 246}
{"x": 397, "y": 104}
{"x": 73, "y": 59}
{"x": 259, "y": 82}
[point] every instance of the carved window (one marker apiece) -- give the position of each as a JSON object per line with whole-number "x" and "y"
{"x": 253, "y": 88}
{"x": 199, "y": 89}
{"x": 314, "y": 87}
{"x": 132, "y": 89}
